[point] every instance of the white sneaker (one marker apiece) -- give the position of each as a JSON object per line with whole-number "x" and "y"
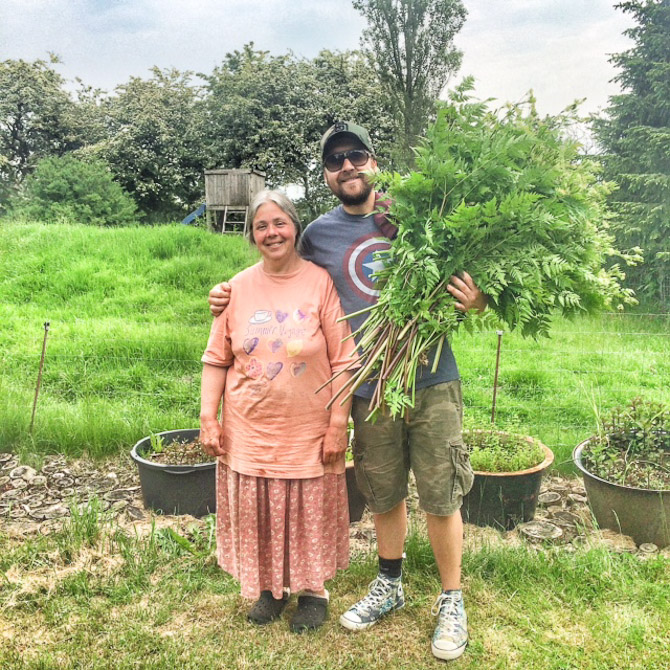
{"x": 385, "y": 595}
{"x": 451, "y": 634}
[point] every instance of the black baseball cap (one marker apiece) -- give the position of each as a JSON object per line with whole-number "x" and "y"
{"x": 346, "y": 128}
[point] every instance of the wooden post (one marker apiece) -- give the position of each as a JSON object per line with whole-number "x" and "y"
{"x": 495, "y": 381}
{"x": 39, "y": 375}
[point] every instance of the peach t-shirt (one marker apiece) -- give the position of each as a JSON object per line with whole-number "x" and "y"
{"x": 280, "y": 340}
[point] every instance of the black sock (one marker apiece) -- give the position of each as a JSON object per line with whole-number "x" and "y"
{"x": 390, "y": 567}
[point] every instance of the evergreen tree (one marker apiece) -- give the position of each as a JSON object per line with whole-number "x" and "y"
{"x": 635, "y": 135}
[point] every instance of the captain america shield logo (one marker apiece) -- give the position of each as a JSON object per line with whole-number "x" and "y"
{"x": 360, "y": 264}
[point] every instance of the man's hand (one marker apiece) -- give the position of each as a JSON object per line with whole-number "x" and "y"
{"x": 467, "y": 293}
{"x": 219, "y": 297}
{"x": 211, "y": 436}
{"x": 334, "y": 444}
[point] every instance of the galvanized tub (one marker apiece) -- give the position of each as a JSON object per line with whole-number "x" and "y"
{"x": 642, "y": 514}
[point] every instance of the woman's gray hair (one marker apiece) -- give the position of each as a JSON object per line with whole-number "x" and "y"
{"x": 279, "y": 199}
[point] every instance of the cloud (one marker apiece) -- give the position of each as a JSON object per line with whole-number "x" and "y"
{"x": 558, "y": 48}
{"x": 104, "y": 42}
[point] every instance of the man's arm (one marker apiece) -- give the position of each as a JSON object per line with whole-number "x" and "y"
{"x": 467, "y": 293}
{"x": 219, "y": 297}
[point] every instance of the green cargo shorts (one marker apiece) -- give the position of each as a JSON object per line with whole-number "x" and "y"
{"x": 429, "y": 441}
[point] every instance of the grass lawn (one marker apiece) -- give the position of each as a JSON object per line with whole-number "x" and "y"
{"x": 128, "y": 323}
{"x": 99, "y": 596}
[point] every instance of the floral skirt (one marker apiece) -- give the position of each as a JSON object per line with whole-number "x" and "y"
{"x": 281, "y": 533}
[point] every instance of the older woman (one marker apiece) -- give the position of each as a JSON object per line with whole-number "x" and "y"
{"x": 282, "y": 515}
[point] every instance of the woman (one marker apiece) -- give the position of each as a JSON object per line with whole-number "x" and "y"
{"x": 282, "y": 515}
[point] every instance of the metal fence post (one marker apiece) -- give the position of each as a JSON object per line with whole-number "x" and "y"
{"x": 39, "y": 375}
{"x": 495, "y": 380}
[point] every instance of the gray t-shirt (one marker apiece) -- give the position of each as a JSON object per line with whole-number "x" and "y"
{"x": 345, "y": 245}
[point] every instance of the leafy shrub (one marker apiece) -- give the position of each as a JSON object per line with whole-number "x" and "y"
{"x": 632, "y": 447}
{"x": 507, "y": 198}
{"x": 64, "y": 188}
{"x": 493, "y": 451}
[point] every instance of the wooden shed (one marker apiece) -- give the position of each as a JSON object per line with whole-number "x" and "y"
{"x": 228, "y": 194}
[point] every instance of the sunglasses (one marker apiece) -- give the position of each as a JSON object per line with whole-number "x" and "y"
{"x": 357, "y": 157}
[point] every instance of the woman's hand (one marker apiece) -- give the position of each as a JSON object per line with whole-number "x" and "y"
{"x": 219, "y": 297}
{"x": 211, "y": 436}
{"x": 334, "y": 444}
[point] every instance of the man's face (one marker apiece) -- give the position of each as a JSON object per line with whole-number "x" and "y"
{"x": 349, "y": 183}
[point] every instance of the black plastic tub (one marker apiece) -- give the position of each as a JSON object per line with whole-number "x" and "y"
{"x": 176, "y": 489}
{"x": 355, "y": 496}
{"x": 505, "y": 499}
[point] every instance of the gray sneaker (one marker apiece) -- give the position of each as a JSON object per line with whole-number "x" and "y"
{"x": 451, "y": 634}
{"x": 384, "y": 596}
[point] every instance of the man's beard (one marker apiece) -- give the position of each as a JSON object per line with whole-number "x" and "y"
{"x": 355, "y": 198}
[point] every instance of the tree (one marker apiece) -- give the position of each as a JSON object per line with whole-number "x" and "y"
{"x": 348, "y": 89}
{"x": 262, "y": 113}
{"x": 635, "y": 135}
{"x": 62, "y": 187}
{"x": 35, "y": 115}
{"x": 411, "y": 46}
{"x": 155, "y": 145}
{"x": 269, "y": 112}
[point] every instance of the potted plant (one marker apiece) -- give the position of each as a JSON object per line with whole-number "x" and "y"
{"x": 626, "y": 471}
{"x": 176, "y": 475}
{"x": 508, "y": 472}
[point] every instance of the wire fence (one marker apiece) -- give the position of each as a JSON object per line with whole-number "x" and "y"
{"x": 553, "y": 387}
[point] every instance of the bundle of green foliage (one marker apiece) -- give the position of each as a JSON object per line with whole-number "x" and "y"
{"x": 66, "y": 189}
{"x": 493, "y": 451}
{"x": 632, "y": 447}
{"x": 507, "y": 199}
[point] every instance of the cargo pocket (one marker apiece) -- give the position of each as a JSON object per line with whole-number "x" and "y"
{"x": 463, "y": 474}
{"x": 361, "y": 477}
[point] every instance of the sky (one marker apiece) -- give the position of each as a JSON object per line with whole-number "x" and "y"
{"x": 558, "y": 48}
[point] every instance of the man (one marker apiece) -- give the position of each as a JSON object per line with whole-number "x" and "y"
{"x": 346, "y": 241}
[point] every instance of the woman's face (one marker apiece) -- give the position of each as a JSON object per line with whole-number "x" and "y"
{"x": 274, "y": 232}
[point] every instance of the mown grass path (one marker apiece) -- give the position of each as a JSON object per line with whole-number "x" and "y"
{"x": 106, "y": 594}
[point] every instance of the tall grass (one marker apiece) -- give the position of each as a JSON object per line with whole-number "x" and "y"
{"x": 129, "y": 322}
{"x": 555, "y": 389}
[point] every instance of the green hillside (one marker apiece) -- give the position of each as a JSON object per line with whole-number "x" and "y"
{"x": 129, "y": 321}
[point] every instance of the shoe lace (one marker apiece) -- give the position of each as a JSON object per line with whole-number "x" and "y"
{"x": 378, "y": 592}
{"x": 446, "y": 609}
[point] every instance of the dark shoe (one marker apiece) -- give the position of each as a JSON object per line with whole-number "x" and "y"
{"x": 310, "y": 614}
{"x": 267, "y": 608}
